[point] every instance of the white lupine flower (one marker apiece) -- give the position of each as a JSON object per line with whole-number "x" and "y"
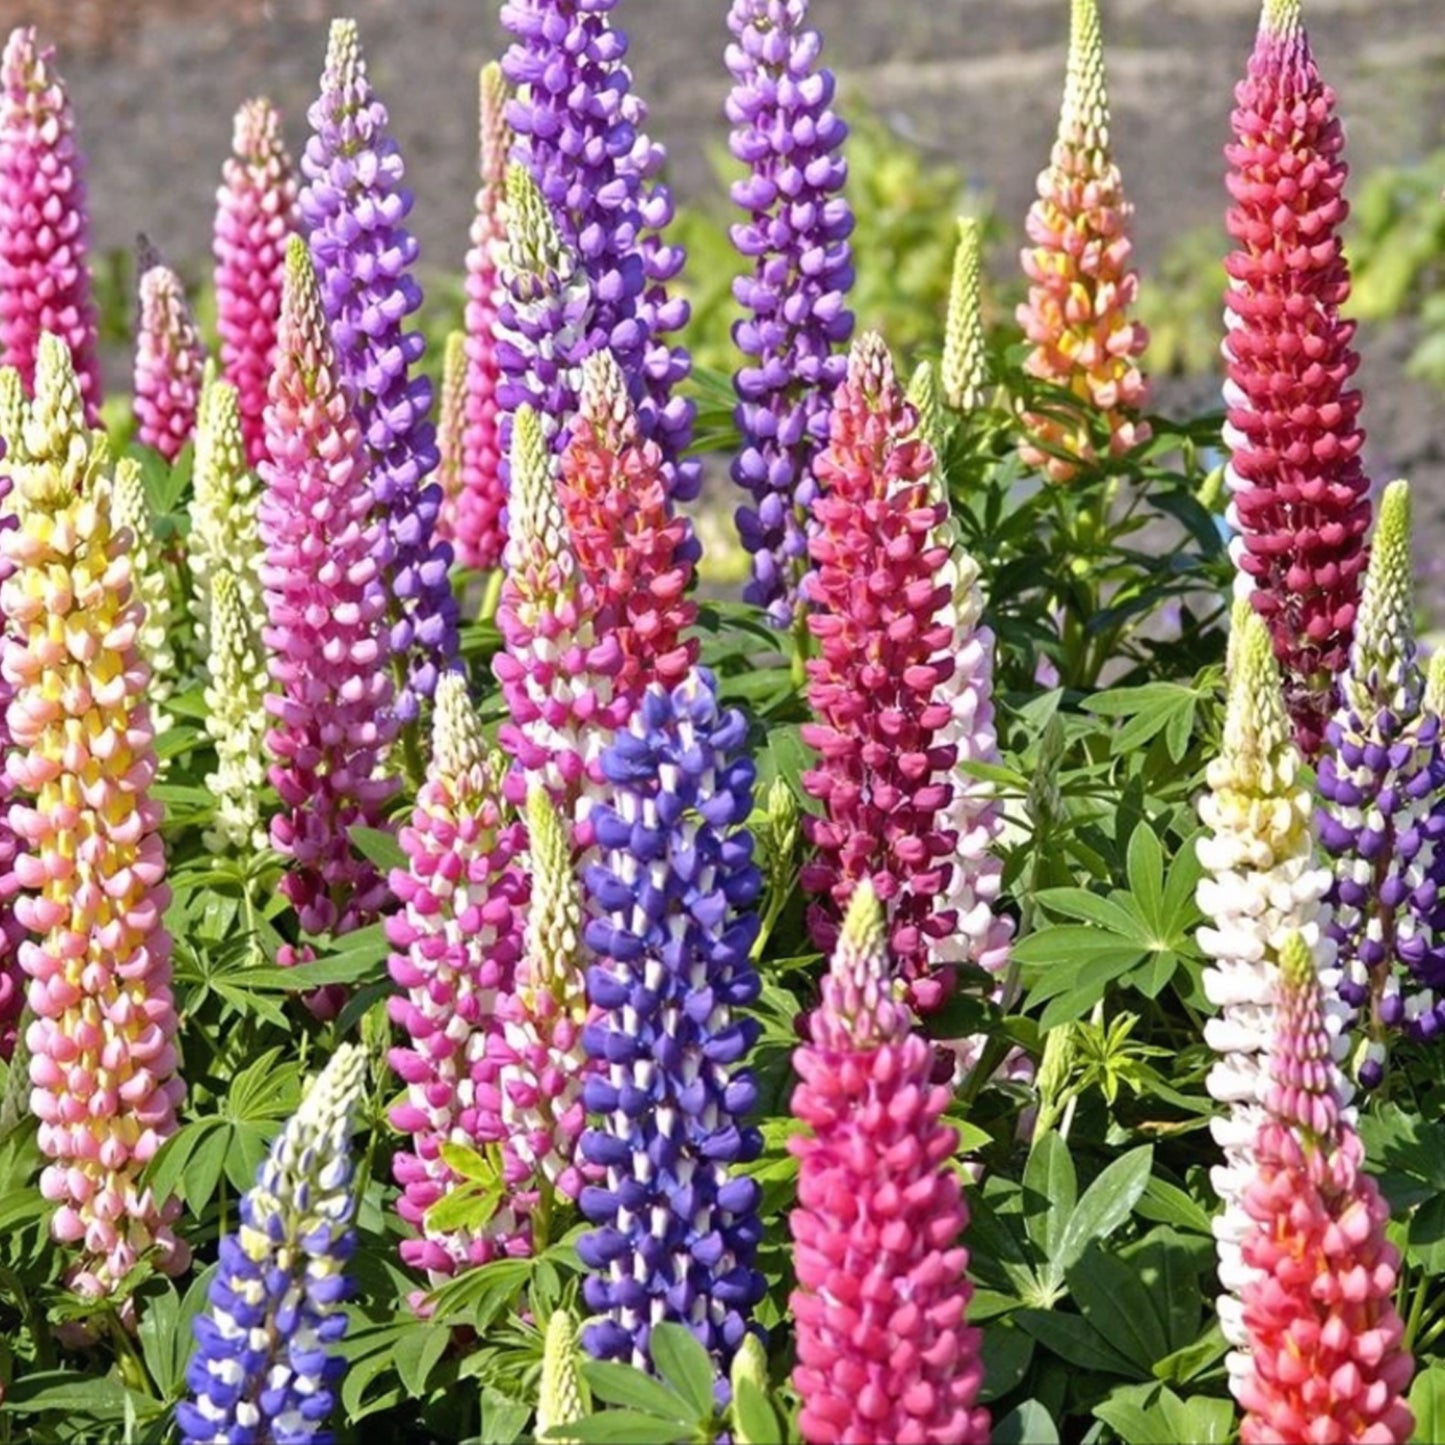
{"x": 236, "y": 718}
{"x": 152, "y": 588}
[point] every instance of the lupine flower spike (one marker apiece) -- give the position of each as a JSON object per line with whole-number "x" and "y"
{"x": 477, "y": 532}
{"x": 1081, "y": 282}
{"x": 1322, "y": 1357}
{"x": 1300, "y": 503}
{"x": 169, "y": 359}
{"x": 131, "y": 511}
{"x": 965, "y": 350}
{"x": 255, "y": 214}
{"x": 44, "y": 271}
{"x": 225, "y": 533}
{"x": 561, "y": 656}
{"x": 794, "y": 298}
{"x": 354, "y": 207}
{"x": 325, "y": 635}
{"x": 579, "y": 133}
{"x": 884, "y": 1351}
{"x": 878, "y": 687}
{"x": 457, "y": 936}
{"x": 451, "y": 433}
{"x": 563, "y": 1397}
{"x": 1261, "y": 882}
{"x": 635, "y": 552}
{"x": 12, "y": 977}
{"x": 540, "y": 1058}
{"x": 235, "y": 697}
{"x": 91, "y": 870}
{"x": 1381, "y": 780}
{"x": 265, "y": 1364}
{"x": 674, "y": 922}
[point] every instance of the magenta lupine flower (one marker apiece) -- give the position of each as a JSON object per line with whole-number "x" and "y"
{"x": 561, "y": 654}
{"x": 884, "y": 1351}
{"x": 255, "y": 213}
{"x": 1324, "y": 1358}
{"x": 169, "y": 360}
{"x": 458, "y": 935}
{"x": 477, "y": 531}
{"x": 795, "y": 298}
{"x": 326, "y": 630}
{"x": 355, "y": 206}
{"x": 580, "y": 134}
{"x": 44, "y": 273}
{"x": 1300, "y": 504}
{"x": 883, "y": 617}
{"x": 12, "y": 933}
{"x": 91, "y": 869}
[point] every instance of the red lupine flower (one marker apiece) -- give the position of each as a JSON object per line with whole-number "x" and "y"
{"x": 1300, "y": 505}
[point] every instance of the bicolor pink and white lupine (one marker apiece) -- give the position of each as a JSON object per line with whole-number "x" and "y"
{"x": 90, "y": 871}
{"x": 458, "y": 939}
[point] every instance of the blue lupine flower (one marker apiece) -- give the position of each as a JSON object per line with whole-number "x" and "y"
{"x": 674, "y": 898}
{"x": 262, "y": 1370}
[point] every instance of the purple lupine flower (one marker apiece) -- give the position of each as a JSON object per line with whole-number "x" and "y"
{"x": 579, "y": 132}
{"x": 1382, "y": 782}
{"x": 795, "y": 299}
{"x": 674, "y": 898}
{"x": 354, "y": 208}
{"x": 263, "y": 1368}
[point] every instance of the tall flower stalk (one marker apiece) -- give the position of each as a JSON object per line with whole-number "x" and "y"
{"x": 91, "y": 867}
{"x": 794, "y": 298}
{"x": 1300, "y": 504}
{"x": 674, "y": 922}
{"x": 877, "y": 690}
{"x": 964, "y": 367}
{"x": 45, "y": 285}
{"x": 255, "y": 214}
{"x": 1323, "y": 1356}
{"x": 1081, "y": 282}
{"x": 1382, "y": 786}
{"x": 1261, "y": 883}
{"x": 451, "y": 433}
{"x": 131, "y": 511}
{"x": 326, "y": 634}
{"x": 354, "y": 207}
{"x": 265, "y": 1364}
{"x": 579, "y": 133}
{"x": 169, "y": 359}
{"x": 457, "y": 939}
{"x": 884, "y": 1351}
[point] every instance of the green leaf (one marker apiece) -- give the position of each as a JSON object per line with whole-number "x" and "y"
{"x": 1029, "y": 1424}
{"x": 684, "y": 1364}
{"x": 1105, "y": 912}
{"x": 1050, "y": 1177}
{"x": 1117, "y": 1304}
{"x": 1193, "y": 1359}
{"x": 377, "y": 846}
{"x": 1145, "y": 862}
{"x": 1166, "y": 1203}
{"x": 1106, "y": 1204}
{"x": 616, "y": 1384}
{"x": 417, "y": 1352}
{"x": 1007, "y": 1354}
{"x": 1427, "y": 1401}
{"x": 620, "y": 1427}
{"x": 754, "y": 1418}
{"x": 203, "y": 1169}
{"x": 1074, "y": 1339}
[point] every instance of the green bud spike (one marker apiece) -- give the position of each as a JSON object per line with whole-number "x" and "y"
{"x": 749, "y": 1370}
{"x": 534, "y": 515}
{"x": 1256, "y": 729}
{"x": 553, "y": 943}
{"x": 923, "y": 396}
{"x": 563, "y": 1397}
{"x": 965, "y": 350}
{"x": 1281, "y": 18}
{"x": 452, "y": 421}
{"x": 1297, "y": 963}
{"x": 1435, "y": 683}
{"x": 12, "y": 413}
{"x": 458, "y": 744}
{"x": 870, "y": 366}
{"x": 535, "y": 248}
{"x": 604, "y": 402}
{"x": 1084, "y": 117}
{"x": 495, "y": 133}
{"x": 1385, "y": 629}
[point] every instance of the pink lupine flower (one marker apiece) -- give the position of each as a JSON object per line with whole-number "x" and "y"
{"x": 476, "y": 529}
{"x": 12, "y": 977}
{"x": 1081, "y": 281}
{"x": 90, "y": 872}
{"x": 256, "y": 210}
{"x": 44, "y": 274}
{"x": 169, "y": 360}
{"x": 458, "y": 936}
{"x": 1324, "y": 1359}
{"x": 326, "y": 629}
{"x": 884, "y": 1352}
{"x": 634, "y": 551}
{"x": 561, "y": 655}
{"x": 1300, "y": 501}
{"x": 882, "y": 616}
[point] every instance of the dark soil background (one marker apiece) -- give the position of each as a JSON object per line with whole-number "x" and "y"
{"x": 974, "y": 83}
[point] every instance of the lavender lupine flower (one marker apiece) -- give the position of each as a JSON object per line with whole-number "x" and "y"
{"x": 795, "y": 298}
{"x": 674, "y": 924}
{"x": 1382, "y": 782}
{"x": 169, "y": 359}
{"x": 44, "y": 273}
{"x": 457, "y": 936}
{"x": 264, "y": 1367}
{"x": 354, "y": 208}
{"x": 580, "y": 134}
